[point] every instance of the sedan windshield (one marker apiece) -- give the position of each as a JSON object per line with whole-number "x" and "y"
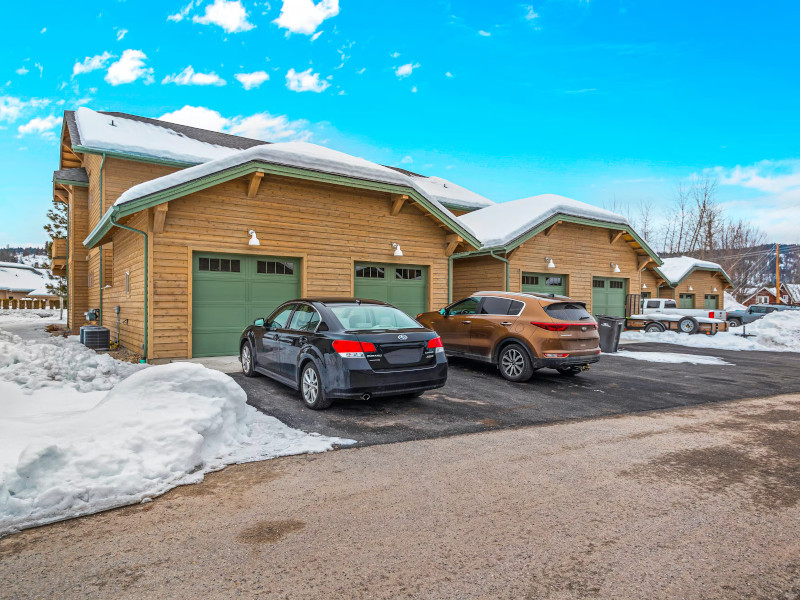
{"x": 372, "y": 316}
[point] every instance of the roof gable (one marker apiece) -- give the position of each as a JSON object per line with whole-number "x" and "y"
{"x": 678, "y": 268}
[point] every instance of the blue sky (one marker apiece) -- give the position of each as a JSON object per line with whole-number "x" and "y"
{"x": 602, "y": 101}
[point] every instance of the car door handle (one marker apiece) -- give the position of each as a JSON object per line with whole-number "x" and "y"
{"x": 506, "y": 323}
{"x": 466, "y": 322}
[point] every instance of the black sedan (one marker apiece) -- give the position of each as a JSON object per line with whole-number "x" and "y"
{"x": 344, "y": 348}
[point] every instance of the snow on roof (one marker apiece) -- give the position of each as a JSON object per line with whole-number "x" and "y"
{"x": 675, "y": 269}
{"x": 450, "y": 193}
{"x": 793, "y": 289}
{"x": 146, "y": 139}
{"x": 15, "y": 277}
{"x": 499, "y": 224}
{"x": 303, "y": 155}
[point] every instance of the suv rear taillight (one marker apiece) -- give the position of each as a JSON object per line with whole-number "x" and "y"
{"x": 352, "y": 348}
{"x": 563, "y": 326}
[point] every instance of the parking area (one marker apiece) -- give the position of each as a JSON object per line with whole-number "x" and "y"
{"x": 476, "y": 398}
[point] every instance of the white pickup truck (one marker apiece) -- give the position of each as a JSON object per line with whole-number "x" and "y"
{"x": 662, "y": 314}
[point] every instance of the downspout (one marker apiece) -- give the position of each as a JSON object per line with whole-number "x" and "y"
{"x": 505, "y": 260}
{"x": 146, "y": 279}
{"x": 100, "y": 277}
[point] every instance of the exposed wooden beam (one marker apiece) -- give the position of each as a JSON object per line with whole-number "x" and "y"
{"x": 644, "y": 261}
{"x": 615, "y": 238}
{"x": 61, "y": 196}
{"x": 550, "y": 229}
{"x": 253, "y": 183}
{"x": 159, "y": 217}
{"x": 453, "y": 241}
{"x": 398, "y": 200}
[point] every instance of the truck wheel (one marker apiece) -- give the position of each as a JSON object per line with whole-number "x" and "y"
{"x": 734, "y": 323}
{"x": 688, "y": 325}
{"x": 654, "y": 328}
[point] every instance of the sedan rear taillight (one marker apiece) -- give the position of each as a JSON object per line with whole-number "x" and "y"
{"x": 436, "y": 343}
{"x": 352, "y": 348}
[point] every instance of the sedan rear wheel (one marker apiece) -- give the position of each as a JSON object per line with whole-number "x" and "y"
{"x": 312, "y": 390}
{"x": 514, "y": 363}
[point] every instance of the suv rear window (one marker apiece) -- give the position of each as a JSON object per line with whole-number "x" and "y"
{"x": 568, "y": 311}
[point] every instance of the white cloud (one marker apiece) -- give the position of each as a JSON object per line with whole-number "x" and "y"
{"x": 228, "y": 14}
{"x": 305, "y": 81}
{"x": 407, "y": 160}
{"x": 262, "y": 126}
{"x": 448, "y": 74}
{"x": 772, "y": 176}
{"x": 252, "y": 80}
{"x": 189, "y": 77}
{"x": 12, "y": 108}
{"x": 316, "y": 35}
{"x": 91, "y": 63}
{"x": 304, "y": 16}
{"x": 530, "y": 14}
{"x": 22, "y": 71}
{"x": 42, "y": 126}
{"x": 414, "y": 90}
{"x": 129, "y": 68}
{"x": 40, "y": 67}
{"x": 121, "y": 34}
{"x": 483, "y": 33}
{"x": 181, "y": 14}
{"x": 43, "y": 30}
{"x": 361, "y": 70}
{"x": 405, "y": 70}
{"x": 394, "y": 54}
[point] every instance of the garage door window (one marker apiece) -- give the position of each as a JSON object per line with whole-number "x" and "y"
{"x": 557, "y": 281}
{"x": 530, "y": 280}
{"x": 599, "y": 283}
{"x": 219, "y": 265}
{"x": 275, "y": 267}
{"x": 415, "y": 274}
{"x": 370, "y": 272}
{"x": 615, "y": 285}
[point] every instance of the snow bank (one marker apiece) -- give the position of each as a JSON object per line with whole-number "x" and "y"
{"x": 58, "y": 362}
{"x": 670, "y": 357}
{"x": 161, "y": 427}
{"x": 675, "y": 269}
{"x": 776, "y": 332}
{"x": 731, "y": 304}
{"x": 499, "y": 224}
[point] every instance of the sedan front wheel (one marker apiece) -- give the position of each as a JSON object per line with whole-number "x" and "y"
{"x": 246, "y": 358}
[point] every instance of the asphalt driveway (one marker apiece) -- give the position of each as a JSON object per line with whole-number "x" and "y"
{"x": 476, "y": 398}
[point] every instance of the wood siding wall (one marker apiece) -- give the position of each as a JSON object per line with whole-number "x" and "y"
{"x": 703, "y": 283}
{"x": 121, "y": 175}
{"x": 77, "y": 267}
{"x": 579, "y": 251}
{"x": 477, "y": 273}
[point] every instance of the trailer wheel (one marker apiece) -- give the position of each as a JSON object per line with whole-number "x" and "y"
{"x": 654, "y": 328}
{"x": 688, "y": 325}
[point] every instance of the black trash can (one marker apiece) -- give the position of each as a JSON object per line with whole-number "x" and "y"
{"x": 610, "y": 329}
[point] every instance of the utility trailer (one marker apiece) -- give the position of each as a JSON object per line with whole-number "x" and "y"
{"x": 663, "y": 314}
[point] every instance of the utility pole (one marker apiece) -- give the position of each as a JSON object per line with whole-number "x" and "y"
{"x": 778, "y": 273}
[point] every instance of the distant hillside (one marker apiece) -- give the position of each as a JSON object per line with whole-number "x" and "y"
{"x": 35, "y": 256}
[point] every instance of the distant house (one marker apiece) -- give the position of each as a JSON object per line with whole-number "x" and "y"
{"x": 693, "y": 283}
{"x": 19, "y": 281}
{"x": 790, "y": 294}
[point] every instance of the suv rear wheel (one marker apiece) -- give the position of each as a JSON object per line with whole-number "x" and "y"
{"x": 734, "y": 323}
{"x": 514, "y": 363}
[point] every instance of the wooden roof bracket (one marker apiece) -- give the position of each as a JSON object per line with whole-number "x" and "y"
{"x": 453, "y": 240}
{"x": 643, "y": 262}
{"x": 615, "y": 237}
{"x": 398, "y": 200}
{"x": 253, "y": 182}
{"x": 550, "y": 229}
{"x": 159, "y": 217}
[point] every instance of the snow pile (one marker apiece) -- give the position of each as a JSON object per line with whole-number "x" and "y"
{"x": 161, "y": 427}
{"x": 136, "y": 137}
{"x": 670, "y": 357}
{"x": 675, "y": 269}
{"x": 58, "y": 362}
{"x": 731, "y": 304}
{"x": 776, "y": 332}
{"x": 499, "y": 224}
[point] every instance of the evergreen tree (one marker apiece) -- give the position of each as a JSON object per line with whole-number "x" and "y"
{"x": 56, "y": 228}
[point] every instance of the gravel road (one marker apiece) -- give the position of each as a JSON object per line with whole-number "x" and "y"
{"x": 689, "y": 503}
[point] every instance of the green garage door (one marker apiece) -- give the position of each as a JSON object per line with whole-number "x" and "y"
{"x": 544, "y": 283}
{"x": 404, "y": 286}
{"x": 686, "y": 301}
{"x": 230, "y": 291}
{"x": 711, "y": 302}
{"x": 608, "y": 296}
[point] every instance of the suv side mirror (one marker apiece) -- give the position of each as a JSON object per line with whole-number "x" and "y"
{"x": 258, "y": 322}
{"x": 444, "y": 312}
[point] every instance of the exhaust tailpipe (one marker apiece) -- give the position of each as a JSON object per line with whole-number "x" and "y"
{"x": 366, "y": 396}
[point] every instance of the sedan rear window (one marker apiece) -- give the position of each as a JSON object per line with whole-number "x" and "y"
{"x": 365, "y": 317}
{"x": 568, "y": 311}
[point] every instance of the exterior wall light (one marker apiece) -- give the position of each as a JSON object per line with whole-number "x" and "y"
{"x": 715, "y": 289}
{"x": 644, "y": 286}
{"x": 550, "y": 263}
{"x": 253, "y": 239}
{"x": 691, "y": 289}
{"x": 397, "y": 251}
{"x": 616, "y": 267}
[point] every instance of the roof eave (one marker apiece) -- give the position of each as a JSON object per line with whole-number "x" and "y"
{"x": 133, "y": 156}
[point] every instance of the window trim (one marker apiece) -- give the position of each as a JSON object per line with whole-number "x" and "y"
{"x": 480, "y": 304}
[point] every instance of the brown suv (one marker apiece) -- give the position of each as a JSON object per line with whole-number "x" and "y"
{"x": 519, "y": 332}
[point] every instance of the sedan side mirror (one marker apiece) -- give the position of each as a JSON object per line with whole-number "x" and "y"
{"x": 258, "y": 322}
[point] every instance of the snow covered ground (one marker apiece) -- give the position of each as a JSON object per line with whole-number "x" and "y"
{"x": 671, "y": 357}
{"x": 82, "y": 432}
{"x": 777, "y": 332}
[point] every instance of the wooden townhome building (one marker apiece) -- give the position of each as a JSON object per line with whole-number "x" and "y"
{"x": 179, "y": 237}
